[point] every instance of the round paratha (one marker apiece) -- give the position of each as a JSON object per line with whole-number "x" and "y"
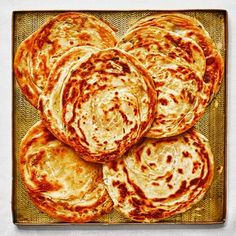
{"x": 176, "y": 65}
{"x": 51, "y": 112}
{"x": 158, "y": 178}
{"x": 190, "y": 27}
{"x": 36, "y": 55}
{"x": 101, "y": 105}
{"x": 58, "y": 181}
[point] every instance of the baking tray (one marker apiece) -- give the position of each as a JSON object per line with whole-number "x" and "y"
{"x": 212, "y": 208}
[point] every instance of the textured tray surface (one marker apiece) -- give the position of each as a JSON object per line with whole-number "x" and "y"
{"x": 213, "y": 124}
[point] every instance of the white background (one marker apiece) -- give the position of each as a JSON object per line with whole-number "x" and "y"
{"x": 6, "y": 225}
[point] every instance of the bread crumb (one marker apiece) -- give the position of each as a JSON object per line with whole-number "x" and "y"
{"x": 219, "y": 46}
{"x": 198, "y": 208}
{"x": 199, "y": 215}
{"x": 219, "y": 169}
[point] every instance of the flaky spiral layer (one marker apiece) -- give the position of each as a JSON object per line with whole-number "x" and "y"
{"x": 100, "y": 104}
{"x": 37, "y": 54}
{"x": 177, "y": 65}
{"x": 160, "y": 178}
{"x": 190, "y": 27}
{"x": 58, "y": 181}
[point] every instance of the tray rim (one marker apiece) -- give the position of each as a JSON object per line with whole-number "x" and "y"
{"x": 223, "y": 220}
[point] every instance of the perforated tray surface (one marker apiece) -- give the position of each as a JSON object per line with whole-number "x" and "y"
{"x": 209, "y": 210}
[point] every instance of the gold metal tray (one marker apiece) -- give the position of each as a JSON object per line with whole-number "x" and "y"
{"x": 211, "y": 209}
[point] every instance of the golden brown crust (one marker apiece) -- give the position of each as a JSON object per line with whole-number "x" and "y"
{"x": 58, "y": 181}
{"x": 35, "y": 56}
{"x": 23, "y": 71}
{"x": 190, "y": 27}
{"x": 101, "y": 105}
{"x": 159, "y": 178}
{"x": 177, "y": 65}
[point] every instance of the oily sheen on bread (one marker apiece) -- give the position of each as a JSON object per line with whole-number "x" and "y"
{"x": 101, "y": 105}
{"x": 158, "y": 178}
{"x": 190, "y": 27}
{"x": 51, "y": 112}
{"x": 146, "y": 42}
{"x": 36, "y": 55}
{"x": 177, "y": 65}
{"x": 58, "y": 181}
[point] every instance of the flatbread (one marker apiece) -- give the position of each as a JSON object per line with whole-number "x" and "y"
{"x": 50, "y": 109}
{"x": 190, "y": 27}
{"x": 58, "y": 181}
{"x": 147, "y": 42}
{"x": 23, "y": 71}
{"x": 35, "y": 56}
{"x": 157, "y": 178}
{"x": 101, "y": 105}
{"x": 177, "y": 65}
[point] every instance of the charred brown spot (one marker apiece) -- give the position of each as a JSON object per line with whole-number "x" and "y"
{"x": 138, "y": 154}
{"x": 84, "y": 36}
{"x": 125, "y": 67}
{"x": 186, "y": 154}
{"x": 115, "y": 58}
{"x": 148, "y": 151}
{"x": 194, "y": 181}
{"x": 155, "y": 184}
{"x": 170, "y": 186}
{"x": 191, "y": 97}
{"x": 46, "y": 186}
{"x": 168, "y": 179}
{"x": 135, "y": 111}
{"x": 152, "y": 164}
{"x": 206, "y": 77}
{"x": 27, "y": 92}
{"x": 180, "y": 191}
{"x": 171, "y": 39}
{"x": 123, "y": 191}
{"x": 31, "y": 142}
{"x": 196, "y": 144}
{"x": 139, "y": 191}
{"x": 174, "y": 98}
{"x": 114, "y": 107}
{"x": 49, "y": 137}
{"x": 143, "y": 168}
{"x": 180, "y": 171}
{"x": 158, "y": 84}
{"x": 37, "y": 157}
{"x": 136, "y": 202}
{"x": 113, "y": 165}
{"x": 186, "y": 139}
{"x": 189, "y": 34}
{"x": 163, "y": 101}
{"x": 124, "y": 117}
{"x": 172, "y": 139}
{"x": 172, "y": 55}
{"x": 196, "y": 165}
{"x": 210, "y": 60}
{"x": 169, "y": 159}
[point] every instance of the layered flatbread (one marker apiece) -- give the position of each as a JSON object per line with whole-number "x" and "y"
{"x": 58, "y": 181}
{"x": 177, "y": 66}
{"x": 36, "y": 55}
{"x": 157, "y": 178}
{"x": 190, "y": 27}
{"x": 100, "y": 105}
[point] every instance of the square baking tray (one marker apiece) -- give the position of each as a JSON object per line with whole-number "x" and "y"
{"x": 212, "y": 208}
